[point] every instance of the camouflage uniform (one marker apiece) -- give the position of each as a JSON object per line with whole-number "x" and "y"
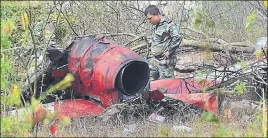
{"x": 165, "y": 38}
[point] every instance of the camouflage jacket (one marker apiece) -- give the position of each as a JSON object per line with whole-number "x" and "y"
{"x": 165, "y": 37}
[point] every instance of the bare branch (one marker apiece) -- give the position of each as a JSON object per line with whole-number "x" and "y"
{"x": 59, "y": 10}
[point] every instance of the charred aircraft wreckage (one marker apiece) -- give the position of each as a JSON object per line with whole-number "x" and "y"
{"x": 106, "y": 74}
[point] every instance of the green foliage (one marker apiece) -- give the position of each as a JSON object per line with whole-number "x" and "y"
{"x": 207, "y": 116}
{"x": 6, "y": 124}
{"x": 54, "y": 16}
{"x": 12, "y": 25}
{"x": 7, "y": 27}
{"x": 11, "y": 127}
{"x": 6, "y": 70}
{"x": 23, "y": 126}
{"x": 164, "y": 132}
{"x": 199, "y": 77}
{"x": 14, "y": 98}
{"x": 222, "y": 132}
{"x": 249, "y": 133}
{"x": 243, "y": 64}
{"x": 228, "y": 4}
{"x": 240, "y": 88}
{"x": 8, "y": 9}
{"x": 65, "y": 121}
{"x": 5, "y": 42}
{"x": 210, "y": 23}
{"x": 34, "y": 103}
{"x": 14, "y": 30}
{"x": 204, "y": 89}
{"x": 17, "y": 4}
{"x": 66, "y": 82}
{"x": 94, "y": 11}
{"x": 197, "y": 133}
{"x": 250, "y": 20}
{"x": 200, "y": 19}
{"x": 258, "y": 53}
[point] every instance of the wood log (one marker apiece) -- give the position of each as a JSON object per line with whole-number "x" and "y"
{"x": 217, "y": 46}
{"x": 213, "y": 44}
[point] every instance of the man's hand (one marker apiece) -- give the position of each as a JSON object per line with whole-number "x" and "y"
{"x": 166, "y": 54}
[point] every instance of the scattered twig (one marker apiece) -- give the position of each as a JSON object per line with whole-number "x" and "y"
{"x": 59, "y": 10}
{"x": 106, "y": 34}
{"x": 133, "y": 40}
{"x": 34, "y": 49}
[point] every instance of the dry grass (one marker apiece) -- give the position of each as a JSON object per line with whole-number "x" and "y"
{"x": 93, "y": 127}
{"x": 149, "y": 129}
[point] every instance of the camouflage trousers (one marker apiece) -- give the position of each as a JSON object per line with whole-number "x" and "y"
{"x": 162, "y": 67}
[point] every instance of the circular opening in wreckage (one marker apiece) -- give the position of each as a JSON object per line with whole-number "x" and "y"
{"x": 132, "y": 78}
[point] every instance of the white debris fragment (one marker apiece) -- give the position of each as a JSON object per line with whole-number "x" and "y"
{"x": 182, "y": 129}
{"x": 156, "y": 118}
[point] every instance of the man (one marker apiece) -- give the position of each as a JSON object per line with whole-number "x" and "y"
{"x": 165, "y": 41}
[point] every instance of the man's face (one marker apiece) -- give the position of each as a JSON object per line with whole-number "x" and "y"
{"x": 153, "y": 19}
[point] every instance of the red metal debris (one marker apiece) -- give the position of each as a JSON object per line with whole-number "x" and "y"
{"x": 54, "y": 130}
{"x": 183, "y": 90}
{"x": 97, "y": 67}
{"x": 77, "y": 108}
{"x": 154, "y": 95}
{"x": 104, "y": 72}
{"x": 182, "y": 86}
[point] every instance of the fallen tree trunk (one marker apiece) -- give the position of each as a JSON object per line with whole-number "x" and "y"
{"x": 213, "y": 44}
{"x": 219, "y": 45}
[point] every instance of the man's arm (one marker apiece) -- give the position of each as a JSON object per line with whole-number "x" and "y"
{"x": 176, "y": 38}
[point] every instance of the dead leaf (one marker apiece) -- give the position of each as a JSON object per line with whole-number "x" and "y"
{"x": 227, "y": 114}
